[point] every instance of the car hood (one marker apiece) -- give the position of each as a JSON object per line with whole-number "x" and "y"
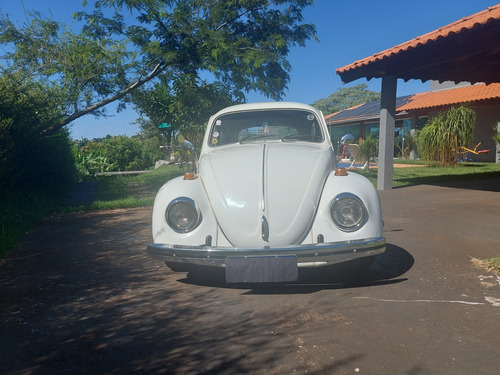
{"x": 265, "y": 194}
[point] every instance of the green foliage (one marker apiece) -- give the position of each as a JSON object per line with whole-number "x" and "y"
{"x": 28, "y": 156}
{"x": 186, "y": 102}
{"x": 346, "y": 98}
{"x": 89, "y": 163}
{"x": 493, "y": 264}
{"x": 82, "y": 69}
{"x": 368, "y": 148}
{"x": 242, "y": 44}
{"x": 411, "y": 145}
{"x": 36, "y": 168}
{"x": 113, "y": 154}
{"x": 441, "y": 138}
{"x": 122, "y": 151}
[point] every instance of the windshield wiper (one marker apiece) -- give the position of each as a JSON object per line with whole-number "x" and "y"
{"x": 296, "y": 137}
{"x": 256, "y": 137}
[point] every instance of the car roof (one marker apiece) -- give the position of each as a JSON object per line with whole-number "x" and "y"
{"x": 267, "y": 105}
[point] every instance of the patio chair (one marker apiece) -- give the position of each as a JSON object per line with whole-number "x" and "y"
{"x": 354, "y": 150}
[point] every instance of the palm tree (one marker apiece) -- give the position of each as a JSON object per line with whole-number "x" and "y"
{"x": 368, "y": 149}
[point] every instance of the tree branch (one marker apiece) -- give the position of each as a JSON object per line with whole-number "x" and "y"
{"x": 241, "y": 15}
{"x": 154, "y": 73}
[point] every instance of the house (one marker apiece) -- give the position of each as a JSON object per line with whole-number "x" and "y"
{"x": 414, "y": 111}
{"x": 467, "y": 50}
{"x": 364, "y": 119}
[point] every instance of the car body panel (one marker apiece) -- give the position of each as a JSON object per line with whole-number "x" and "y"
{"x": 241, "y": 197}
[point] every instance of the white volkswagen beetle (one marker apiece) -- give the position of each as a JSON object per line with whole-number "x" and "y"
{"x": 266, "y": 199}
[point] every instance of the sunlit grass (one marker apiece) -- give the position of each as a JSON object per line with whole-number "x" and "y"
{"x": 128, "y": 191}
{"x": 491, "y": 264}
{"x": 425, "y": 174}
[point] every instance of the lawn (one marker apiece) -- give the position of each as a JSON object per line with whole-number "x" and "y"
{"x": 128, "y": 191}
{"x": 417, "y": 173}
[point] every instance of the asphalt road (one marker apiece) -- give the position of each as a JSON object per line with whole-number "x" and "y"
{"x": 80, "y": 296}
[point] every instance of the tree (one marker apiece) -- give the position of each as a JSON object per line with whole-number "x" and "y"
{"x": 346, "y": 98}
{"x": 446, "y": 133}
{"x": 185, "y": 102}
{"x": 125, "y": 44}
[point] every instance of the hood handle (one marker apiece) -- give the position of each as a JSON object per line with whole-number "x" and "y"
{"x": 265, "y": 229}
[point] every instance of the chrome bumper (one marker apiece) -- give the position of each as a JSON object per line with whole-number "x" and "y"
{"x": 308, "y": 256}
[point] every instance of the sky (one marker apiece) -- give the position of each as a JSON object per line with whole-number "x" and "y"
{"x": 347, "y": 31}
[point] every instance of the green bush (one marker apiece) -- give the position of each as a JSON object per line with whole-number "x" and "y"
{"x": 112, "y": 154}
{"x": 36, "y": 166}
{"x": 30, "y": 156}
{"x": 441, "y": 139}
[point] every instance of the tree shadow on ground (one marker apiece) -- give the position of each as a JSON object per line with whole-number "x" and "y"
{"x": 492, "y": 184}
{"x": 487, "y": 182}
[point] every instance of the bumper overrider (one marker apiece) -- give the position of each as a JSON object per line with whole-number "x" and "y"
{"x": 296, "y": 256}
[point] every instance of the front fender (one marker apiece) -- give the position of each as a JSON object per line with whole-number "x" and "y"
{"x": 175, "y": 188}
{"x": 355, "y": 184}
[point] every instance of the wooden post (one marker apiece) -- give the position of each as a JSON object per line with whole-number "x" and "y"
{"x": 387, "y": 128}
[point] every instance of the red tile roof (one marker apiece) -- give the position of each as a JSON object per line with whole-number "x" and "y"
{"x": 458, "y": 95}
{"x": 466, "y": 23}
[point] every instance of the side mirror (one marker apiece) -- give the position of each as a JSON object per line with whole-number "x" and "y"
{"x": 186, "y": 145}
{"x": 190, "y": 164}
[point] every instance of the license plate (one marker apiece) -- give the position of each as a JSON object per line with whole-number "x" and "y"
{"x": 261, "y": 269}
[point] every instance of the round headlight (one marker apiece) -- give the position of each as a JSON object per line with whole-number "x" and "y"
{"x": 348, "y": 212}
{"x": 182, "y": 215}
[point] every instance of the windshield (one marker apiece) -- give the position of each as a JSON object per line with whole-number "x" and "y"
{"x": 286, "y": 125}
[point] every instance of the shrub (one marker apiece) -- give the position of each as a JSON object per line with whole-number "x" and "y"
{"x": 442, "y": 137}
{"x": 30, "y": 157}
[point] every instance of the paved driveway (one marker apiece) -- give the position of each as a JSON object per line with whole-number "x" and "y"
{"x": 80, "y": 296}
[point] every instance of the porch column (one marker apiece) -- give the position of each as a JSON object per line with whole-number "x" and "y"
{"x": 414, "y": 124}
{"x": 497, "y": 156}
{"x": 387, "y": 127}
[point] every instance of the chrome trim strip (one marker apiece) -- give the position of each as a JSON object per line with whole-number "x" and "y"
{"x": 310, "y": 255}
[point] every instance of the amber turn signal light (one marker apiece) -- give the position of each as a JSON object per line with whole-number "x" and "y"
{"x": 340, "y": 172}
